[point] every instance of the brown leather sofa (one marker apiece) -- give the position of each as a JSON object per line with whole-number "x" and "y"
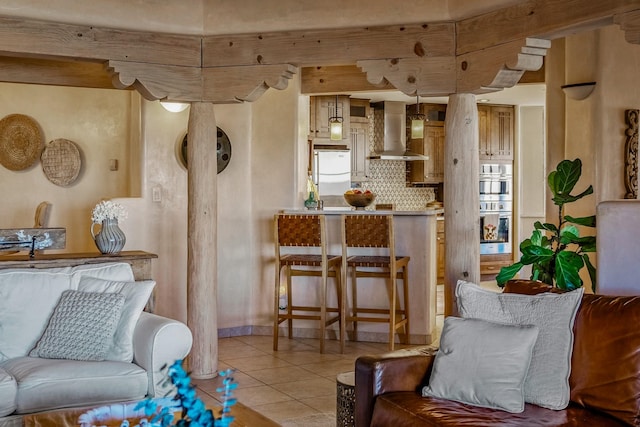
{"x": 604, "y": 380}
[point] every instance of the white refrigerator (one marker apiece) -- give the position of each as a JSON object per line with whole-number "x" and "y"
{"x": 332, "y": 175}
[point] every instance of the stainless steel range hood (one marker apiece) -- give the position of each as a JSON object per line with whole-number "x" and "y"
{"x": 395, "y": 135}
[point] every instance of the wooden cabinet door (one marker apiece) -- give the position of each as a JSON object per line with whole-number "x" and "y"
{"x": 502, "y": 133}
{"x": 359, "y": 151}
{"x": 434, "y": 148}
{"x": 484, "y": 125}
{"x": 325, "y": 108}
{"x": 440, "y": 251}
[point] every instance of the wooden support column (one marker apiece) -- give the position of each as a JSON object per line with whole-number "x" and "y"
{"x": 461, "y": 196}
{"x": 202, "y": 269}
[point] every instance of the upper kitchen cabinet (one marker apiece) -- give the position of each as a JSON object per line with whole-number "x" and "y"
{"x": 496, "y": 132}
{"x": 432, "y": 145}
{"x": 321, "y": 109}
{"x": 359, "y": 151}
{"x": 360, "y": 110}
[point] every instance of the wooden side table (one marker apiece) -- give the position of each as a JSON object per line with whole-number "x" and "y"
{"x": 346, "y": 399}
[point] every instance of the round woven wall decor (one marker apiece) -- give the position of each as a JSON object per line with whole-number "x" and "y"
{"x": 61, "y": 162}
{"x": 21, "y": 141}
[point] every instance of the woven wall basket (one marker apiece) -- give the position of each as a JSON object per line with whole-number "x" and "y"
{"x": 21, "y": 141}
{"x": 61, "y": 162}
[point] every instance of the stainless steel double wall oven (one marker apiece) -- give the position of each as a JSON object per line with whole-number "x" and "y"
{"x": 496, "y": 207}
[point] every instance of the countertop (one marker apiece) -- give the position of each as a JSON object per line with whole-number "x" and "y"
{"x": 425, "y": 212}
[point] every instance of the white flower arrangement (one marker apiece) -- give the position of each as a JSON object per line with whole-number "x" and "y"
{"x": 108, "y": 210}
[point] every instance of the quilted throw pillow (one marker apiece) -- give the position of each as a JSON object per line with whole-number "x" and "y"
{"x": 136, "y": 295}
{"x": 547, "y": 382}
{"x": 81, "y": 326}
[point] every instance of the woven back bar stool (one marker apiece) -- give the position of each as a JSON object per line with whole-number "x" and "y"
{"x": 306, "y": 231}
{"x": 374, "y": 231}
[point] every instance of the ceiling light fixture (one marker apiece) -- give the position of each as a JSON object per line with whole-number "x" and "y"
{"x": 335, "y": 124}
{"x": 174, "y": 107}
{"x": 417, "y": 122}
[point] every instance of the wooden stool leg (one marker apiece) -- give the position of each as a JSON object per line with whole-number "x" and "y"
{"x": 405, "y": 289}
{"x": 341, "y": 306}
{"x": 276, "y": 314}
{"x": 354, "y": 304}
{"x": 323, "y": 311}
{"x": 392, "y": 310}
{"x": 289, "y": 304}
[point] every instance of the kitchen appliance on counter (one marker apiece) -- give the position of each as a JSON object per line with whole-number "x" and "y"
{"x": 331, "y": 173}
{"x": 496, "y": 208}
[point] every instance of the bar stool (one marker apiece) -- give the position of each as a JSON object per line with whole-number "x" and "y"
{"x": 374, "y": 231}
{"x": 305, "y": 231}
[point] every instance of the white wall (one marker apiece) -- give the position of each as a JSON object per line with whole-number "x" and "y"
{"x": 99, "y": 122}
{"x": 531, "y": 172}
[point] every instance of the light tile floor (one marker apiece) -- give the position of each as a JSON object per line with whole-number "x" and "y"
{"x": 294, "y": 381}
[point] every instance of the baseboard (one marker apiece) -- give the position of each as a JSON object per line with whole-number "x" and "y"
{"x": 378, "y": 337}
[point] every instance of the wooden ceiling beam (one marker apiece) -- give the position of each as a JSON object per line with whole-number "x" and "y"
{"x": 53, "y": 72}
{"x": 340, "y": 78}
{"x": 40, "y": 39}
{"x": 330, "y": 47}
{"x": 549, "y": 19}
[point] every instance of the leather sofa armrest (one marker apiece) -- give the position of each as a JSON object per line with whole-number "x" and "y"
{"x": 157, "y": 342}
{"x": 402, "y": 370}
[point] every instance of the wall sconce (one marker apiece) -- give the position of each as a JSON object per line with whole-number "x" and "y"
{"x": 174, "y": 107}
{"x": 335, "y": 124}
{"x": 579, "y": 91}
{"x": 417, "y": 122}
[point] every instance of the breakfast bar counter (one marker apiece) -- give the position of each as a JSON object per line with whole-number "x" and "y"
{"x": 415, "y": 236}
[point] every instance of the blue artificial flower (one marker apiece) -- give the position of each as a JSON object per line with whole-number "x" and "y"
{"x": 194, "y": 411}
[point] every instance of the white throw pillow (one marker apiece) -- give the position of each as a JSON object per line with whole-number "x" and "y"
{"x": 547, "y": 382}
{"x": 482, "y": 363}
{"x": 81, "y": 326}
{"x": 119, "y": 271}
{"x": 136, "y": 296}
{"x": 27, "y": 299}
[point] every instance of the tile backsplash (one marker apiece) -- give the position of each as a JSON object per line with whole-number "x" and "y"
{"x": 388, "y": 177}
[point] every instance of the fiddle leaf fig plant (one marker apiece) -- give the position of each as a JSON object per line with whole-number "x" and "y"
{"x": 557, "y": 253}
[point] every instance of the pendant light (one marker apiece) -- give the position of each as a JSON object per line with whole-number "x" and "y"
{"x": 417, "y": 122}
{"x": 335, "y": 124}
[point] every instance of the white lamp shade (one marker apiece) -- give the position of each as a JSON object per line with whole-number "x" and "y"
{"x": 335, "y": 128}
{"x": 174, "y": 107}
{"x": 417, "y": 129}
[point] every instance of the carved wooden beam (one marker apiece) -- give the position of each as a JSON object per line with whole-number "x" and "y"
{"x": 549, "y": 19}
{"x": 499, "y": 67}
{"x": 631, "y": 154}
{"x": 330, "y": 47}
{"x": 413, "y": 76}
{"x": 158, "y": 81}
{"x": 237, "y": 84}
{"x": 216, "y": 85}
{"x": 629, "y": 23}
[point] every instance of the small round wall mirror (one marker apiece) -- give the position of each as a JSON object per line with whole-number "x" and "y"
{"x": 223, "y": 150}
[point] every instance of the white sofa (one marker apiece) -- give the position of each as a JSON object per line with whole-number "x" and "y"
{"x": 141, "y": 344}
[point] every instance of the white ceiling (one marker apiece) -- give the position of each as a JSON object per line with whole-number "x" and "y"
{"x": 525, "y": 94}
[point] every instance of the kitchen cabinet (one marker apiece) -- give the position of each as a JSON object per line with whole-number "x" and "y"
{"x": 496, "y": 136}
{"x": 432, "y": 145}
{"x": 359, "y": 151}
{"x": 321, "y": 109}
{"x": 490, "y": 265}
{"x": 440, "y": 250}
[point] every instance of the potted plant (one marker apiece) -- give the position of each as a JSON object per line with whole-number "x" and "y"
{"x": 557, "y": 253}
